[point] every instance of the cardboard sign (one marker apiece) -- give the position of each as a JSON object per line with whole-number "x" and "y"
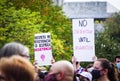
{"x": 83, "y": 39}
{"x": 42, "y": 49}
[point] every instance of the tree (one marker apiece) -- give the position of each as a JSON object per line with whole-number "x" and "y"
{"x": 18, "y": 25}
{"x": 108, "y": 42}
{"x": 29, "y": 17}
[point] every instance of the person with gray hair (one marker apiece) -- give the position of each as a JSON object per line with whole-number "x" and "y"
{"x": 14, "y": 48}
{"x": 60, "y": 71}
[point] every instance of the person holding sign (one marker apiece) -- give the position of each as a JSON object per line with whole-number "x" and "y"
{"x": 77, "y": 66}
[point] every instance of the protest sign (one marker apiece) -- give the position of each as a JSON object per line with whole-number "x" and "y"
{"x": 42, "y": 49}
{"x": 83, "y": 39}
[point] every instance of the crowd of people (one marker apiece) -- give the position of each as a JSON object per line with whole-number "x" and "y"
{"x": 16, "y": 66}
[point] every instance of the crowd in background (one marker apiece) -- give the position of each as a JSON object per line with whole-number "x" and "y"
{"x": 16, "y": 66}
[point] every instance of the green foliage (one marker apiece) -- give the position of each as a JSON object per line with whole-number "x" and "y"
{"x": 18, "y": 25}
{"x": 108, "y": 42}
{"x": 23, "y": 19}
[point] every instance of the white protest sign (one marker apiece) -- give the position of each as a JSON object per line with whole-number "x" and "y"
{"x": 83, "y": 39}
{"x": 42, "y": 49}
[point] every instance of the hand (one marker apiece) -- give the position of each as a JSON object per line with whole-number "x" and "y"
{"x": 94, "y": 58}
{"x": 35, "y": 63}
{"x": 53, "y": 61}
{"x": 74, "y": 60}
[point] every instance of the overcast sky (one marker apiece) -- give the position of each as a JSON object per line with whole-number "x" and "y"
{"x": 115, "y": 3}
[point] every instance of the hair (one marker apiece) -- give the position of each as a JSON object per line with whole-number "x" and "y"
{"x": 41, "y": 74}
{"x": 14, "y": 48}
{"x": 89, "y": 66}
{"x": 118, "y": 56}
{"x": 17, "y": 68}
{"x": 65, "y": 66}
{"x": 112, "y": 71}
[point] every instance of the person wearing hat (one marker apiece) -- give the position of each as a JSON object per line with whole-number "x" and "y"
{"x": 85, "y": 76}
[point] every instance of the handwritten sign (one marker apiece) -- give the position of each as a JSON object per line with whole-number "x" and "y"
{"x": 83, "y": 39}
{"x": 42, "y": 49}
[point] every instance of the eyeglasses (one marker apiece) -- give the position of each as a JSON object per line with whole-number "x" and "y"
{"x": 26, "y": 56}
